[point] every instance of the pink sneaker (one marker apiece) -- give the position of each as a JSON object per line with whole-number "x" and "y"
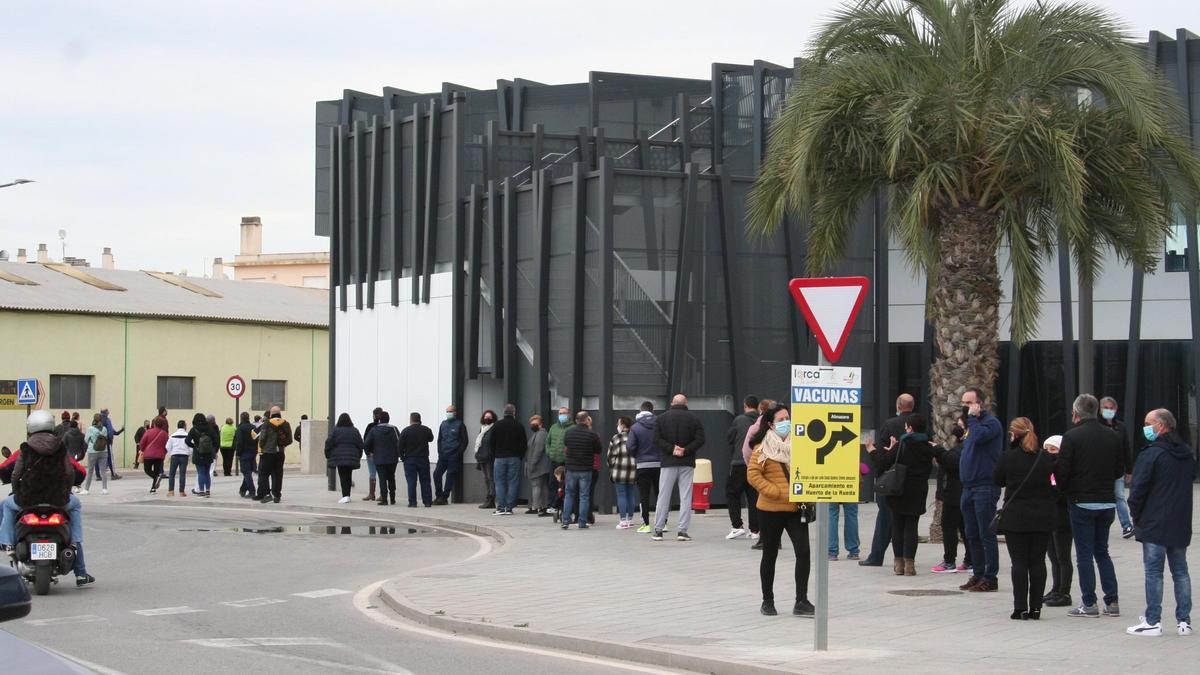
{"x": 960, "y": 568}
{"x": 943, "y": 568}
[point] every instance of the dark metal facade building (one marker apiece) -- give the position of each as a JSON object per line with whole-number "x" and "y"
{"x": 594, "y": 243}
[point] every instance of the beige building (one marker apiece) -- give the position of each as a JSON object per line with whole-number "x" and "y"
{"x": 308, "y": 270}
{"x": 132, "y": 341}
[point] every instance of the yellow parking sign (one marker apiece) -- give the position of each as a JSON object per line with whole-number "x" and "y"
{"x": 826, "y": 424}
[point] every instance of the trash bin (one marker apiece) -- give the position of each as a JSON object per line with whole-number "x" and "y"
{"x": 702, "y": 483}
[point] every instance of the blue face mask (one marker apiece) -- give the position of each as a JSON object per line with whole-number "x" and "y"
{"x": 1108, "y": 413}
{"x": 1149, "y": 433}
{"x": 562, "y": 419}
{"x": 783, "y": 428}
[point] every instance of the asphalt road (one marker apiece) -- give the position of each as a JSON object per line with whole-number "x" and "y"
{"x": 191, "y": 587}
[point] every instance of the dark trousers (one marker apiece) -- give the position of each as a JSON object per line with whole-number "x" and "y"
{"x": 647, "y": 485}
{"x": 978, "y": 506}
{"x": 489, "y": 479}
{"x": 952, "y": 531}
{"x": 387, "y": 482}
{"x": 1061, "y": 567}
{"x": 154, "y": 469}
{"x": 227, "y": 461}
{"x": 773, "y": 526}
{"x": 270, "y": 474}
{"x": 345, "y": 477}
{"x": 904, "y": 535}
{"x": 246, "y": 465}
{"x": 452, "y": 470}
{"x": 418, "y": 468}
{"x": 1028, "y": 553}
{"x": 111, "y": 470}
{"x": 883, "y": 532}
{"x": 735, "y": 489}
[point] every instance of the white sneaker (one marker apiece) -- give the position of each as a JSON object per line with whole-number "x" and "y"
{"x": 84, "y": 492}
{"x": 344, "y": 500}
{"x": 103, "y": 491}
{"x": 1185, "y": 628}
{"x": 621, "y": 525}
{"x": 1145, "y": 629}
{"x": 735, "y": 533}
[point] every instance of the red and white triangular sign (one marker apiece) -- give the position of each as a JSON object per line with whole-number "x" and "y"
{"x": 830, "y": 305}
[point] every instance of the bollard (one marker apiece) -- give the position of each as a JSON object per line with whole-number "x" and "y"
{"x": 702, "y": 482}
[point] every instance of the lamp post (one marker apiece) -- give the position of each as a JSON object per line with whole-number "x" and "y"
{"x": 16, "y": 181}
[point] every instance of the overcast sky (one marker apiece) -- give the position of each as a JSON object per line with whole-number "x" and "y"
{"x": 154, "y": 126}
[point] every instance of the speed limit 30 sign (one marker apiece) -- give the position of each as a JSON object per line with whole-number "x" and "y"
{"x": 235, "y": 386}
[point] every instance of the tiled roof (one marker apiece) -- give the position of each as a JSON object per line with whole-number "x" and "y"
{"x": 150, "y": 296}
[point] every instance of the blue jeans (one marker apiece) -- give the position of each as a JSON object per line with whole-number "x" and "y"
{"x": 579, "y": 487}
{"x": 978, "y": 509}
{"x": 1153, "y": 556}
{"x": 204, "y": 476}
{"x": 1089, "y": 529}
{"x": 8, "y": 526}
{"x": 851, "y": 528}
{"x": 246, "y": 466}
{"x": 178, "y": 463}
{"x": 506, "y": 473}
{"x": 881, "y": 540}
{"x": 418, "y": 468}
{"x": 371, "y": 467}
{"x": 627, "y": 498}
{"x": 1122, "y": 504}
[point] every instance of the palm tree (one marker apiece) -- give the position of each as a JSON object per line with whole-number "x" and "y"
{"x": 988, "y": 124}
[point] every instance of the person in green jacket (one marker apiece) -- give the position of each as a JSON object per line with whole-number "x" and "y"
{"x": 227, "y": 432}
{"x": 554, "y": 444}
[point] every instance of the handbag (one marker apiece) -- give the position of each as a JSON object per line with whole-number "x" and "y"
{"x": 891, "y": 482}
{"x": 994, "y": 526}
{"x": 808, "y": 512}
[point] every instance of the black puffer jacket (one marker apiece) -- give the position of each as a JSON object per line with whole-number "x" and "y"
{"x": 1033, "y": 507}
{"x": 581, "y": 446}
{"x": 678, "y": 426}
{"x": 344, "y": 447}
{"x": 243, "y": 440}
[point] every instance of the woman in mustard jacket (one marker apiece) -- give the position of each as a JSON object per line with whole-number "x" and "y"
{"x": 768, "y": 472}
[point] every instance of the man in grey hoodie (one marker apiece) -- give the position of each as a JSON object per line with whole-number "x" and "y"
{"x": 641, "y": 447}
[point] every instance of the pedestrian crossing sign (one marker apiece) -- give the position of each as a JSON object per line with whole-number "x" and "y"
{"x": 27, "y": 392}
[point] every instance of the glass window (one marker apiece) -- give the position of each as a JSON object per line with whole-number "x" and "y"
{"x": 70, "y": 391}
{"x": 176, "y": 393}
{"x": 266, "y": 393}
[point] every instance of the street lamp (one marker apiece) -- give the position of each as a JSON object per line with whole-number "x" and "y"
{"x": 16, "y": 181}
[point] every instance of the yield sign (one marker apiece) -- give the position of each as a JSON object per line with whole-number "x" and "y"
{"x": 830, "y": 305}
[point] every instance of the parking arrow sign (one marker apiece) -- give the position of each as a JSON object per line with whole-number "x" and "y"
{"x": 27, "y": 392}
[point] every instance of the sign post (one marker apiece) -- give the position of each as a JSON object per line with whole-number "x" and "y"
{"x": 826, "y": 417}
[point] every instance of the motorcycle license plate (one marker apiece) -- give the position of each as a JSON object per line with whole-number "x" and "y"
{"x": 42, "y": 551}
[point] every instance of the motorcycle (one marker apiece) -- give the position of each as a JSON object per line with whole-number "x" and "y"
{"x": 44, "y": 549}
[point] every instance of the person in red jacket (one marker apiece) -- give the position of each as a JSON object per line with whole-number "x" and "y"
{"x": 152, "y": 449}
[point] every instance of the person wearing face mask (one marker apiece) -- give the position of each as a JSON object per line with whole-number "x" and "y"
{"x": 769, "y": 471}
{"x": 914, "y": 451}
{"x": 1089, "y": 461}
{"x": 891, "y": 429}
{"x": 554, "y": 444}
{"x": 1160, "y": 500}
{"x": 1062, "y": 567}
{"x": 276, "y": 435}
{"x": 1027, "y": 516}
{"x": 1108, "y": 417}
{"x": 537, "y": 467}
{"x": 622, "y": 469}
{"x": 451, "y": 444}
{"x": 981, "y": 448}
{"x": 484, "y": 459}
{"x": 949, "y": 487}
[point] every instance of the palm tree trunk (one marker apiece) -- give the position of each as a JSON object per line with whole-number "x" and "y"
{"x": 965, "y": 310}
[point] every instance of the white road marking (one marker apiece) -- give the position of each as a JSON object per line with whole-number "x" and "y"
{"x": 164, "y": 611}
{"x": 59, "y": 621}
{"x": 94, "y": 667}
{"x": 253, "y": 602}
{"x": 323, "y": 593}
{"x": 252, "y": 643}
{"x": 227, "y": 643}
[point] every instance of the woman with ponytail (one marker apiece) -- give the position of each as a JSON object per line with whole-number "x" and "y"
{"x": 1027, "y": 515}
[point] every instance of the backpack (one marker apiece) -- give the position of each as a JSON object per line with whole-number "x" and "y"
{"x": 101, "y": 443}
{"x": 204, "y": 445}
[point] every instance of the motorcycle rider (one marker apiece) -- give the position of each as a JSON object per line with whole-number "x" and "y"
{"x": 43, "y": 473}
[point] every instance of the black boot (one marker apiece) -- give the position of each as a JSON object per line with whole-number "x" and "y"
{"x": 768, "y": 608}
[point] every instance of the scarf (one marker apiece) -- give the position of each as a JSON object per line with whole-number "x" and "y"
{"x": 776, "y": 449}
{"x": 479, "y": 439}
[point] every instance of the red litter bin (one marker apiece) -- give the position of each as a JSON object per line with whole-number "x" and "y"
{"x": 702, "y": 484}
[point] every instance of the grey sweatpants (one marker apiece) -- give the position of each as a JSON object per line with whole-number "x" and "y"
{"x": 538, "y": 489}
{"x": 667, "y": 478}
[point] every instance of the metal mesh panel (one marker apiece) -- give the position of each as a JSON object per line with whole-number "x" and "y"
{"x": 737, "y": 114}
{"x": 624, "y": 154}
{"x": 664, "y": 158}
{"x": 447, "y": 200}
{"x": 562, "y": 284}
{"x": 514, "y": 156}
{"x": 559, "y": 109}
{"x": 385, "y": 204}
{"x": 527, "y": 300}
{"x": 407, "y": 200}
{"x": 706, "y": 366}
{"x": 558, "y": 154}
{"x": 593, "y": 297}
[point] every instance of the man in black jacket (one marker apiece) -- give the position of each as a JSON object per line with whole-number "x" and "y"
{"x": 679, "y": 436}
{"x": 1108, "y": 417}
{"x": 736, "y": 488}
{"x": 892, "y": 428}
{"x": 1089, "y": 460}
{"x": 581, "y": 446}
{"x": 508, "y": 450}
{"x": 414, "y": 452}
{"x": 247, "y": 451}
{"x": 1160, "y": 502}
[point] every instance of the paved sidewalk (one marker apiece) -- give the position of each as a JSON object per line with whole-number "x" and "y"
{"x": 700, "y": 599}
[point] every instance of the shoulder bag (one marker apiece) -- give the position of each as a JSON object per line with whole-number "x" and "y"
{"x": 994, "y": 526}
{"x": 891, "y": 482}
